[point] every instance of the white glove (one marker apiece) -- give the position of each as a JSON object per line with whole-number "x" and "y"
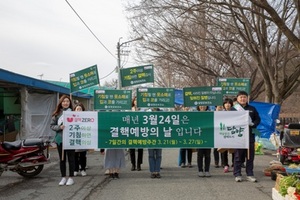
{"x": 250, "y": 121}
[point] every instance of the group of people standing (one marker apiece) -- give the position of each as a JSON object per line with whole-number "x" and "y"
{"x": 115, "y": 158}
{"x": 239, "y": 155}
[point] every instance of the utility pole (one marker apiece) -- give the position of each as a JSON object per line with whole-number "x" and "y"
{"x": 119, "y": 45}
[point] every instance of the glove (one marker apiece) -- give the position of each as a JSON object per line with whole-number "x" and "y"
{"x": 250, "y": 121}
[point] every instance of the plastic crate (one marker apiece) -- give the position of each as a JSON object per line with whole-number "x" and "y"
{"x": 292, "y": 170}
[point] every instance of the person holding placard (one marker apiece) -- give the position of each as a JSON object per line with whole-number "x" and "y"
{"x": 155, "y": 157}
{"x": 203, "y": 153}
{"x": 240, "y": 154}
{"x": 216, "y": 152}
{"x": 228, "y": 106}
{"x": 139, "y": 160}
{"x": 114, "y": 160}
{"x": 185, "y": 154}
{"x": 80, "y": 154}
{"x": 65, "y": 104}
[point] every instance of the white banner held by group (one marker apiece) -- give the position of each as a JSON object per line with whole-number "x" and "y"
{"x": 81, "y": 130}
{"x": 227, "y": 134}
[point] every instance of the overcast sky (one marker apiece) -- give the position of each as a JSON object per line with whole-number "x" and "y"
{"x": 46, "y": 37}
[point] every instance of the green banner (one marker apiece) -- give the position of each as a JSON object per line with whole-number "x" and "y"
{"x": 231, "y": 86}
{"x": 155, "y": 129}
{"x": 219, "y": 129}
{"x": 112, "y": 100}
{"x": 202, "y": 96}
{"x": 155, "y": 97}
{"x": 137, "y": 75}
{"x": 84, "y": 78}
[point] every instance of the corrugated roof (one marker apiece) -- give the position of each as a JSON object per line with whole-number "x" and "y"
{"x": 11, "y": 79}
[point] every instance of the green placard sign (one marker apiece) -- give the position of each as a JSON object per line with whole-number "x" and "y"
{"x": 112, "y": 100}
{"x": 231, "y": 86}
{"x": 202, "y": 96}
{"x": 156, "y": 129}
{"x": 84, "y": 78}
{"x": 155, "y": 97}
{"x": 137, "y": 75}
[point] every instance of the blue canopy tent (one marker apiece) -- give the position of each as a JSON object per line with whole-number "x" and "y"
{"x": 178, "y": 97}
{"x": 268, "y": 113}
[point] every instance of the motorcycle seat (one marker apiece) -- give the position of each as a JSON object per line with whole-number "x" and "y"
{"x": 33, "y": 142}
{"x": 12, "y": 145}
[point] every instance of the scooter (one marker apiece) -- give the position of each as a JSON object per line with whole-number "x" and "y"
{"x": 290, "y": 144}
{"x": 26, "y": 157}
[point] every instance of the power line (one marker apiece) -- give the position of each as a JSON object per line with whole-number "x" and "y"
{"x": 90, "y": 30}
{"x": 108, "y": 74}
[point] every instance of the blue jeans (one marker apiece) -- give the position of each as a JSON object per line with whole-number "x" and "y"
{"x": 154, "y": 159}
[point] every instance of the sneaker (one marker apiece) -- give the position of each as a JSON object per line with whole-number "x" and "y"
{"x": 207, "y": 174}
{"x": 226, "y": 169}
{"x": 75, "y": 173}
{"x": 189, "y": 165}
{"x": 182, "y": 165}
{"x": 63, "y": 181}
{"x": 106, "y": 172}
{"x": 70, "y": 181}
{"x": 201, "y": 174}
{"x": 83, "y": 173}
{"x": 238, "y": 179}
{"x": 251, "y": 179}
{"x": 153, "y": 175}
{"x": 158, "y": 175}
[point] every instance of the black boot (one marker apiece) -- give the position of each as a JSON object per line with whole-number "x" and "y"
{"x": 132, "y": 167}
{"x": 111, "y": 175}
{"x": 139, "y": 167}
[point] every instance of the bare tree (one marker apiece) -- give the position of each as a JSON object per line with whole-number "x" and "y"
{"x": 208, "y": 39}
{"x": 288, "y": 28}
{"x": 112, "y": 83}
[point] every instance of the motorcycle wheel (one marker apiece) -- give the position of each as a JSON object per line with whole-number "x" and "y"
{"x": 29, "y": 172}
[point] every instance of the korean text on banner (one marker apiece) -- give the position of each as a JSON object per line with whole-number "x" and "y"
{"x": 230, "y": 128}
{"x": 81, "y": 130}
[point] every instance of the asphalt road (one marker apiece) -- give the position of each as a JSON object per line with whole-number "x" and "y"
{"x": 176, "y": 182}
